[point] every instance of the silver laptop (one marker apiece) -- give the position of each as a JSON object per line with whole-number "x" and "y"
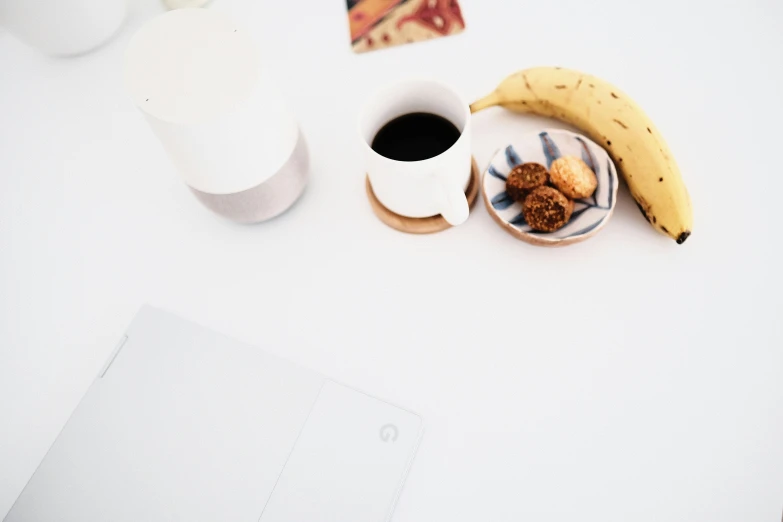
{"x": 183, "y": 424}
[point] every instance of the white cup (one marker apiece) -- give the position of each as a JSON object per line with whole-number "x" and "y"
{"x": 199, "y": 80}
{"x": 63, "y": 27}
{"x": 424, "y": 188}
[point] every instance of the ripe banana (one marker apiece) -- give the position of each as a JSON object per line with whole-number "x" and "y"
{"x": 613, "y": 120}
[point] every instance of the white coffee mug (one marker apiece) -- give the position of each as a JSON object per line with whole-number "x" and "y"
{"x": 63, "y": 27}
{"x": 424, "y": 188}
{"x": 205, "y": 91}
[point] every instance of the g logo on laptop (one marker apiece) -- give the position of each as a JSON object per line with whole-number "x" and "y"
{"x": 389, "y": 433}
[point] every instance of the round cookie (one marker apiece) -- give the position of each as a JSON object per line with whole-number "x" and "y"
{"x": 573, "y": 177}
{"x": 524, "y": 178}
{"x": 546, "y": 209}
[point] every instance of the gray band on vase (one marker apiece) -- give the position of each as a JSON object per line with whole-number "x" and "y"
{"x": 268, "y": 199}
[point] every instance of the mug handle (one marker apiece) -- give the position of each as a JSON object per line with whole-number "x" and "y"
{"x": 450, "y": 200}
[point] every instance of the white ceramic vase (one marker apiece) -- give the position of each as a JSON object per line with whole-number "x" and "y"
{"x": 199, "y": 81}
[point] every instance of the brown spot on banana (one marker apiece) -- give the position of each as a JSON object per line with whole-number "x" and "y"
{"x": 521, "y": 106}
{"x": 644, "y": 207}
{"x": 529, "y": 87}
{"x": 561, "y": 86}
{"x": 621, "y": 124}
{"x": 641, "y": 209}
{"x": 615, "y": 96}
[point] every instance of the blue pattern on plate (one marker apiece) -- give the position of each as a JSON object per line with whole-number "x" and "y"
{"x": 519, "y": 220}
{"x": 586, "y": 229}
{"x": 551, "y": 151}
{"x": 577, "y": 213}
{"x": 502, "y": 201}
{"x": 588, "y": 158}
{"x": 512, "y": 158}
{"x": 493, "y": 172}
{"x": 589, "y": 214}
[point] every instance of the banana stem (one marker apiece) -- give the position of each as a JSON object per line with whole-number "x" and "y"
{"x": 488, "y": 101}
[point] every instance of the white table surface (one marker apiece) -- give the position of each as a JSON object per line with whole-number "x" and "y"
{"x": 625, "y": 378}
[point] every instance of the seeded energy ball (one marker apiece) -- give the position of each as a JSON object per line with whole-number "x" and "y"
{"x": 573, "y": 177}
{"x": 546, "y": 209}
{"x": 524, "y": 178}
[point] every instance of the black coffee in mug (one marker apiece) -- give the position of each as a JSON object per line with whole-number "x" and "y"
{"x": 415, "y": 137}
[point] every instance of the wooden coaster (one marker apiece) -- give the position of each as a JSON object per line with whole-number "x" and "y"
{"x": 427, "y": 225}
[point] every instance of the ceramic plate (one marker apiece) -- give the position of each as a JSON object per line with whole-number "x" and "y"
{"x": 590, "y": 214}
